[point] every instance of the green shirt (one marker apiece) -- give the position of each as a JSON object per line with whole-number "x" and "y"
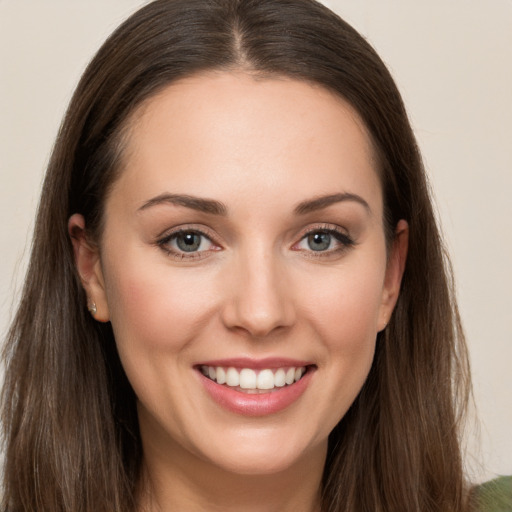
{"x": 495, "y": 496}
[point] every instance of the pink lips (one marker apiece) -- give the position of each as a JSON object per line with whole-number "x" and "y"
{"x": 263, "y": 403}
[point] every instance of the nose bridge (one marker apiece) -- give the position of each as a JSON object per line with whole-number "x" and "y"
{"x": 258, "y": 301}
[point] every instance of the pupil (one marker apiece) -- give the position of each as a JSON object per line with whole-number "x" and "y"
{"x": 189, "y": 242}
{"x": 319, "y": 241}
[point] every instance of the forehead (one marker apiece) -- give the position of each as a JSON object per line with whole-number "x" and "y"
{"x": 233, "y": 134}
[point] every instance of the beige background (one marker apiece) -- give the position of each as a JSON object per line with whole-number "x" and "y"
{"x": 453, "y": 63}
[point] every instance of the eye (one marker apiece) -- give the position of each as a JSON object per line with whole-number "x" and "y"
{"x": 319, "y": 241}
{"x": 187, "y": 243}
{"x": 325, "y": 240}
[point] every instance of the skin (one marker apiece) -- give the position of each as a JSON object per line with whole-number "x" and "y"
{"x": 255, "y": 288}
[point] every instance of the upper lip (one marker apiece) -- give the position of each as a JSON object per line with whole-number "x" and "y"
{"x": 256, "y": 364}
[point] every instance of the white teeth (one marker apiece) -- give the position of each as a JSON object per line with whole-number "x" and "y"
{"x": 232, "y": 378}
{"x": 280, "y": 378}
{"x": 265, "y": 380}
{"x": 221, "y": 375}
{"x": 249, "y": 379}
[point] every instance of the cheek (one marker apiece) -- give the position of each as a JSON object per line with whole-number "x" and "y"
{"x": 347, "y": 305}
{"x": 346, "y": 322}
{"x": 152, "y": 307}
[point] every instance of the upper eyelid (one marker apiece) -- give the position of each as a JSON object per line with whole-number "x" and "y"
{"x": 201, "y": 230}
{"x": 330, "y": 228}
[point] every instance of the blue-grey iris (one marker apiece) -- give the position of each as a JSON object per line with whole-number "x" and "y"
{"x": 319, "y": 241}
{"x": 188, "y": 242}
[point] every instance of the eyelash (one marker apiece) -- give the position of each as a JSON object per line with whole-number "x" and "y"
{"x": 165, "y": 241}
{"x": 345, "y": 242}
{"x": 340, "y": 236}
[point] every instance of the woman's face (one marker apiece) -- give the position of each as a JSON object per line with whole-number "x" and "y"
{"x": 244, "y": 239}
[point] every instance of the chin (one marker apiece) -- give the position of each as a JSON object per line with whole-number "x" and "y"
{"x": 260, "y": 457}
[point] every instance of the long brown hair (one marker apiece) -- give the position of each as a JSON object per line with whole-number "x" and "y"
{"x": 70, "y": 427}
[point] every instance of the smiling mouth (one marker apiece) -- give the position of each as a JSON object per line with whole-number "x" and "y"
{"x": 247, "y": 380}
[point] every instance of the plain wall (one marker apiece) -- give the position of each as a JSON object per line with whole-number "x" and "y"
{"x": 452, "y": 61}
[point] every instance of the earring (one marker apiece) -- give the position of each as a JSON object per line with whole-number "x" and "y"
{"x": 92, "y": 308}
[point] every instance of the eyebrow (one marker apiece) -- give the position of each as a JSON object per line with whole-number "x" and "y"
{"x": 321, "y": 202}
{"x": 214, "y": 207}
{"x": 195, "y": 203}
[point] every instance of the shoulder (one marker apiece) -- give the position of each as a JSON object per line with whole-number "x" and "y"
{"x": 494, "y": 496}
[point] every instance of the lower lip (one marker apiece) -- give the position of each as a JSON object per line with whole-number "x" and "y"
{"x": 260, "y": 404}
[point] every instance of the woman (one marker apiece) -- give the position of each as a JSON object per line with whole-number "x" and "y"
{"x": 237, "y": 298}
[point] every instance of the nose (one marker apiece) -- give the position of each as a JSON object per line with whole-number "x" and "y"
{"x": 259, "y": 300}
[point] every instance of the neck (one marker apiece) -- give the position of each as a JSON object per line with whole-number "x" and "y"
{"x": 184, "y": 482}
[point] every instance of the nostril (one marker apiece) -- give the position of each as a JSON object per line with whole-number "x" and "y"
{"x": 258, "y": 323}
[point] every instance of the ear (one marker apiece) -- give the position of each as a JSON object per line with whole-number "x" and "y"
{"x": 88, "y": 264}
{"x": 394, "y": 272}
